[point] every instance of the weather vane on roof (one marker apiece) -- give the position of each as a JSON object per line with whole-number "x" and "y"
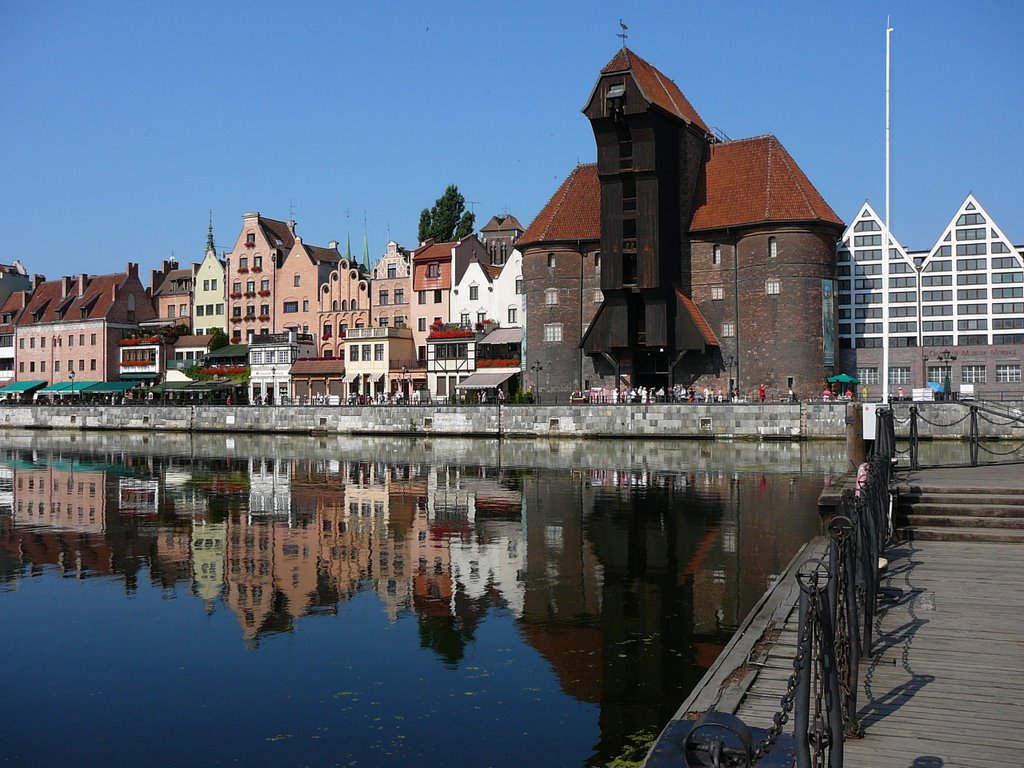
{"x": 623, "y": 34}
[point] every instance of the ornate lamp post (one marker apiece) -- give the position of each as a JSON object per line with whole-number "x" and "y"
{"x": 947, "y": 358}
{"x": 71, "y": 375}
{"x": 536, "y": 368}
{"x": 405, "y": 385}
{"x": 273, "y": 385}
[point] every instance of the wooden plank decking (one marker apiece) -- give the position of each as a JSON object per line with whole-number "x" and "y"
{"x": 946, "y": 686}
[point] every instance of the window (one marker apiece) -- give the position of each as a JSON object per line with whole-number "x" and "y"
{"x": 243, "y": 262}
{"x": 553, "y": 332}
{"x": 598, "y": 296}
{"x": 353, "y": 353}
{"x": 868, "y": 375}
{"x": 399, "y": 296}
{"x": 383, "y": 298}
{"x": 716, "y": 254}
{"x": 481, "y": 316}
{"x": 474, "y": 293}
{"x": 513, "y": 315}
{"x": 437, "y": 296}
{"x": 421, "y": 297}
{"x": 291, "y": 307}
{"x": 772, "y": 287}
{"x": 728, "y": 330}
{"x": 297, "y": 281}
{"x": 973, "y": 374}
{"x": 236, "y": 311}
{"x": 773, "y": 247}
{"x": 257, "y": 261}
{"x": 236, "y": 287}
{"x": 383, "y": 322}
{"x": 1008, "y": 373}
{"x": 200, "y": 310}
{"x": 378, "y": 352}
{"x": 421, "y": 324}
{"x": 433, "y": 269}
{"x": 220, "y": 309}
{"x": 92, "y": 364}
{"x": 81, "y": 339}
{"x": 366, "y": 352}
{"x": 519, "y": 286}
{"x": 899, "y": 375}
{"x": 551, "y": 296}
{"x": 250, "y": 286}
{"x": 206, "y": 285}
{"x": 305, "y": 305}
{"x": 265, "y": 284}
{"x": 551, "y": 261}
{"x": 464, "y": 318}
{"x": 393, "y": 271}
{"x": 213, "y": 285}
{"x": 716, "y": 293}
{"x": 264, "y": 310}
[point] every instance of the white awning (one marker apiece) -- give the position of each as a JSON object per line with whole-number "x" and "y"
{"x": 485, "y": 380}
{"x": 350, "y": 377}
{"x": 379, "y": 376}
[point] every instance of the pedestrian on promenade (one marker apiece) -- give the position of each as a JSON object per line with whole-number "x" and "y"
{"x": 762, "y": 392}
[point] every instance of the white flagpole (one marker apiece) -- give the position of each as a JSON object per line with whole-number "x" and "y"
{"x": 886, "y": 228}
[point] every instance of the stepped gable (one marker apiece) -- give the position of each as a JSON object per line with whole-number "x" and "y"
{"x": 573, "y": 212}
{"x": 657, "y": 88}
{"x": 754, "y": 181}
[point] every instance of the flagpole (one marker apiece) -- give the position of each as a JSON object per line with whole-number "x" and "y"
{"x": 886, "y": 229}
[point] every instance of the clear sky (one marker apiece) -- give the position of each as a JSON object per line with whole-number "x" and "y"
{"x": 124, "y": 123}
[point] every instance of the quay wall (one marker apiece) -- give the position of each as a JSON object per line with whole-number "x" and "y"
{"x": 752, "y": 421}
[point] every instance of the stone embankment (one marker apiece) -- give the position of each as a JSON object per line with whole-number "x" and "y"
{"x": 753, "y": 421}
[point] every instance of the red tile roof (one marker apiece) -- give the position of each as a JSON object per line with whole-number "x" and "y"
{"x": 193, "y": 341}
{"x": 572, "y": 213}
{"x": 434, "y": 251}
{"x": 309, "y": 366}
{"x": 502, "y": 223}
{"x": 656, "y": 87}
{"x": 751, "y": 181}
{"x": 94, "y": 303}
{"x": 318, "y": 253}
{"x": 698, "y": 319}
{"x": 491, "y": 270}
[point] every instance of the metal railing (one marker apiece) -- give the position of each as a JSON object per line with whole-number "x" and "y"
{"x": 837, "y": 603}
{"x": 975, "y": 413}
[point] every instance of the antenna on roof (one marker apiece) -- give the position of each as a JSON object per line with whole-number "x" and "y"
{"x": 291, "y": 209}
{"x": 623, "y": 34}
{"x": 471, "y": 203}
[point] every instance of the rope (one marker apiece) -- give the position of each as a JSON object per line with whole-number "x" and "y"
{"x": 1000, "y": 423}
{"x": 1001, "y": 453}
{"x": 937, "y": 424}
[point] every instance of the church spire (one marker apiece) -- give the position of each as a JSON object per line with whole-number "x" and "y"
{"x": 210, "y": 248}
{"x": 366, "y": 247}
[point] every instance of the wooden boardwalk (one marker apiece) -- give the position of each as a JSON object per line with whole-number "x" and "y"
{"x": 946, "y": 685}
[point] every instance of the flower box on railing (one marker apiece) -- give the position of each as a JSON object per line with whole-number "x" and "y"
{"x": 243, "y": 270}
{"x": 450, "y": 333}
{"x": 257, "y": 269}
{"x": 138, "y": 342}
{"x": 250, "y": 294}
{"x": 250, "y": 244}
{"x": 264, "y": 293}
{"x": 235, "y": 295}
{"x": 509, "y": 362}
{"x": 264, "y": 318}
{"x": 137, "y": 363}
{"x": 250, "y": 317}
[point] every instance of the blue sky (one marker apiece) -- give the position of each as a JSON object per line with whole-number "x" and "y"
{"x": 124, "y": 123}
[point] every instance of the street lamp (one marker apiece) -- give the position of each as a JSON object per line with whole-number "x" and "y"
{"x": 405, "y": 385}
{"x": 273, "y": 385}
{"x": 71, "y": 375}
{"x": 728, "y": 361}
{"x": 536, "y": 368}
{"x": 947, "y": 358}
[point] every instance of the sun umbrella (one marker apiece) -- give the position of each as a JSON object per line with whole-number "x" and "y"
{"x": 936, "y": 387}
{"x": 844, "y": 378}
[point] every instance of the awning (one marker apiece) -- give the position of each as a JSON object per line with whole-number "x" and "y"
{"x": 60, "y": 386}
{"x": 378, "y": 377}
{"x": 485, "y": 380}
{"x": 141, "y": 376}
{"x": 108, "y": 387}
{"x": 18, "y": 387}
{"x": 503, "y": 336}
{"x": 349, "y": 378}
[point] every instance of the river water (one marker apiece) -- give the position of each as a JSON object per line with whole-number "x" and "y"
{"x": 289, "y": 601}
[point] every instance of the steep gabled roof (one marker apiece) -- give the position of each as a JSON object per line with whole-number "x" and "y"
{"x": 657, "y": 88}
{"x": 167, "y": 286}
{"x": 492, "y": 271}
{"x": 573, "y": 212}
{"x": 502, "y": 223}
{"x": 752, "y": 181}
{"x": 277, "y": 232}
{"x": 330, "y": 255}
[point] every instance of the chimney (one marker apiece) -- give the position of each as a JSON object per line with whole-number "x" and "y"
{"x": 291, "y": 226}
{"x": 133, "y": 269}
{"x": 83, "y": 281}
{"x": 38, "y": 280}
{"x": 333, "y": 245}
{"x": 65, "y": 286}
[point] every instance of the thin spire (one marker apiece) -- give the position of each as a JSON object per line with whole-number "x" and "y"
{"x": 209, "y": 235}
{"x": 366, "y": 246}
{"x": 623, "y": 34}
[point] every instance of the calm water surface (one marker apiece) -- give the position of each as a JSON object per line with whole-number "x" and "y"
{"x": 209, "y": 600}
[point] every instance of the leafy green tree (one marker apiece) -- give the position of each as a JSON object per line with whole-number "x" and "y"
{"x": 218, "y": 339}
{"x": 448, "y": 220}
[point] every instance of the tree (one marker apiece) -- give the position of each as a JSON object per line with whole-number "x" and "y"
{"x": 448, "y": 220}
{"x": 218, "y": 339}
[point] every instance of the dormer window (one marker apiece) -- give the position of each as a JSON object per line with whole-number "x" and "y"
{"x": 615, "y": 99}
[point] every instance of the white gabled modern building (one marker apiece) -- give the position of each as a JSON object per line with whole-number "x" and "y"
{"x": 953, "y": 314}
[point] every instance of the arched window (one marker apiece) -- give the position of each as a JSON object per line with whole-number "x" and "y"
{"x": 344, "y": 305}
{"x": 773, "y": 247}
{"x": 334, "y": 306}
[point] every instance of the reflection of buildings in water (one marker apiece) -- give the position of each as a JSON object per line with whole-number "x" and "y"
{"x": 61, "y": 498}
{"x": 208, "y": 545}
{"x": 492, "y": 561}
{"x": 138, "y": 496}
{"x": 6, "y": 490}
{"x": 271, "y": 574}
{"x": 270, "y": 488}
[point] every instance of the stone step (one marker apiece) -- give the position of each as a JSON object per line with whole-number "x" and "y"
{"x": 962, "y": 510}
{"x": 937, "y": 521}
{"x": 1004, "y": 499}
{"x": 992, "y": 535}
{"x": 914, "y": 488}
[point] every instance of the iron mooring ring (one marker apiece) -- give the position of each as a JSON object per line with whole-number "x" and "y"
{"x": 813, "y": 575}
{"x": 718, "y": 738}
{"x": 840, "y": 528}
